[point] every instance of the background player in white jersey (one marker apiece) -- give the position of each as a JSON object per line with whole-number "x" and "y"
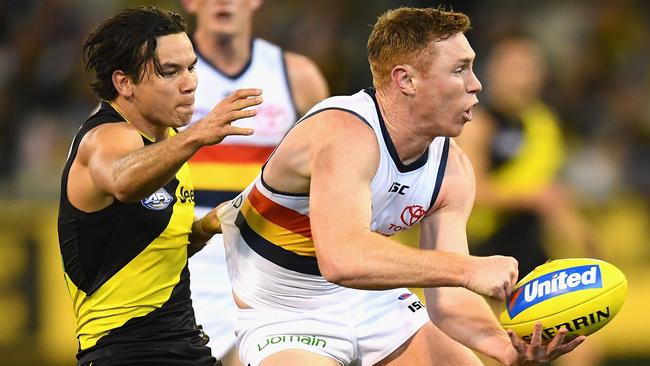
{"x": 229, "y": 58}
{"x": 316, "y": 280}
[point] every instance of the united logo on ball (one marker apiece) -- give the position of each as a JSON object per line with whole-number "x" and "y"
{"x": 580, "y": 294}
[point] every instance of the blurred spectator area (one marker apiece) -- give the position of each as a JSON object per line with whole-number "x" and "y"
{"x": 599, "y": 84}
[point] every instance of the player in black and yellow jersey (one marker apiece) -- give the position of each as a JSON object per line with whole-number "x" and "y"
{"x": 126, "y": 224}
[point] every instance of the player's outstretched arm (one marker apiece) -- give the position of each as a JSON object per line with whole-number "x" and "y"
{"x": 459, "y": 312}
{"x": 119, "y": 165}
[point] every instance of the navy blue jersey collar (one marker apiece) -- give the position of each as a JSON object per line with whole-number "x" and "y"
{"x": 401, "y": 167}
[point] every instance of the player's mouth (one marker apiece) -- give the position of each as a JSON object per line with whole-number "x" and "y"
{"x": 224, "y": 16}
{"x": 468, "y": 115}
{"x": 187, "y": 106}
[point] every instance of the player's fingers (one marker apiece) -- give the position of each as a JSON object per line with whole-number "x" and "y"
{"x": 513, "y": 277}
{"x": 245, "y": 103}
{"x": 219, "y": 206}
{"x": 508, "y": 289}
{"x": 243, "y": 94}
{"x": 235, "y": 115}
{"x": 516, "y": 341}
{"x": 536, "y": 339}
{"x": 572, "y": 345}
{"x": 234, "y": 130}
{"x": 499, "y": 293}
{"x": 228, "y": 103}
{"x": 558, "y": 339}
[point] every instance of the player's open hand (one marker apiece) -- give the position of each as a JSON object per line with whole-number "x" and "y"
{"x": 536, "y": 352}
{"x": 217, "y": 124}
{"x": 493, "y": 276}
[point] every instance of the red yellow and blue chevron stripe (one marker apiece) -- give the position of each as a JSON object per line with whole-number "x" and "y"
{"x": 277, "y": 233}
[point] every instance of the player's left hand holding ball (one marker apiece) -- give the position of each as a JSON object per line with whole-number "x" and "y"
{"x": 536, "y": 351}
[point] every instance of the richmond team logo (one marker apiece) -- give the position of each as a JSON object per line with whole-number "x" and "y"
{"x": 412, "y": 214}
{"x": 158, "y": 201}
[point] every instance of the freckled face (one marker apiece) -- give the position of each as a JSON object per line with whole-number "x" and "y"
{"x": 446, "y": 91}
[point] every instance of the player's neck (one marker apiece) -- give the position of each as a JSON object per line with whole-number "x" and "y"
{"x": 410, "y": 144}
{"x": 150, "y": 130}
{"x": 229, "y": 54}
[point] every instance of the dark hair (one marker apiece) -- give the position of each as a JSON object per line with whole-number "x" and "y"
{"x": 126, "y": 42}
{"x": 399, "y": 35}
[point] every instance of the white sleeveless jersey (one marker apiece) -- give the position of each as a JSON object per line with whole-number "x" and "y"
{"x": 269, "y": 247}
{"x": 221, "y": 171}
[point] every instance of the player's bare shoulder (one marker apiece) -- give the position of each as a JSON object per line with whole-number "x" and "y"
{"x": 328, "y": 138}
{"x": 307, "y": 82}
{"x": 109, "y": 136}
{"x": 458, "y": 163}
{"x": 341, "y": 130}
{"x": 459, "y": 183}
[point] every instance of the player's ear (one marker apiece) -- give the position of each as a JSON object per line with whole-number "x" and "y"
{"x": 122, "y": 83}
{"x": 402, "y": 77}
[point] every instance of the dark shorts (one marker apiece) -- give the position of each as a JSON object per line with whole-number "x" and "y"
{"x": 151, "y": 357}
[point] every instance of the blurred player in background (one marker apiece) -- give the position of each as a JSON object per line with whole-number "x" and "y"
{"x": 230, "y": 57}
{"x": 517, "y": 149}
{"x": 126, "y": 215}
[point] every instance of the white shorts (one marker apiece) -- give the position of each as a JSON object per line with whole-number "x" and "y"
{"x": 212, "y": 299}
{"x": 361, "y": 330}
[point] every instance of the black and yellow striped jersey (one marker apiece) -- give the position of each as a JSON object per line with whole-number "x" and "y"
{"x": 126, "y": 265}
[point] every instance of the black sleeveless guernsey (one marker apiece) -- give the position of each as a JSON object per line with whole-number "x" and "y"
{"x": 126, "y": 266}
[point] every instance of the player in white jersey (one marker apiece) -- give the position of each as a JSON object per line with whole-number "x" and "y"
{"x": 228, "y": 58}
{"x": 314, "y": 275}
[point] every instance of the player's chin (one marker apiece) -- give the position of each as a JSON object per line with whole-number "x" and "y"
{"x": 184, "y": 117}
{"x": 456, "y": 130}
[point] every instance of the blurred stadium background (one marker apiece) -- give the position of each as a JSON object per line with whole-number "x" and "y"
{"x": 599, "y": 55}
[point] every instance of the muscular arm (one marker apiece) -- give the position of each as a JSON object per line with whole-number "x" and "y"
{"x": 307, "y": 83}
{"x": 462, "y": 314}
{"x": 121, "y": 166}
{"x": 113, "y": 163}
{"x": 343, "y": 160}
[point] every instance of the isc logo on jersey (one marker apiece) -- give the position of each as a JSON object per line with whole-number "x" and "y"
{"x": 158, "y": 201}
{"x": 554, "y": 284}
